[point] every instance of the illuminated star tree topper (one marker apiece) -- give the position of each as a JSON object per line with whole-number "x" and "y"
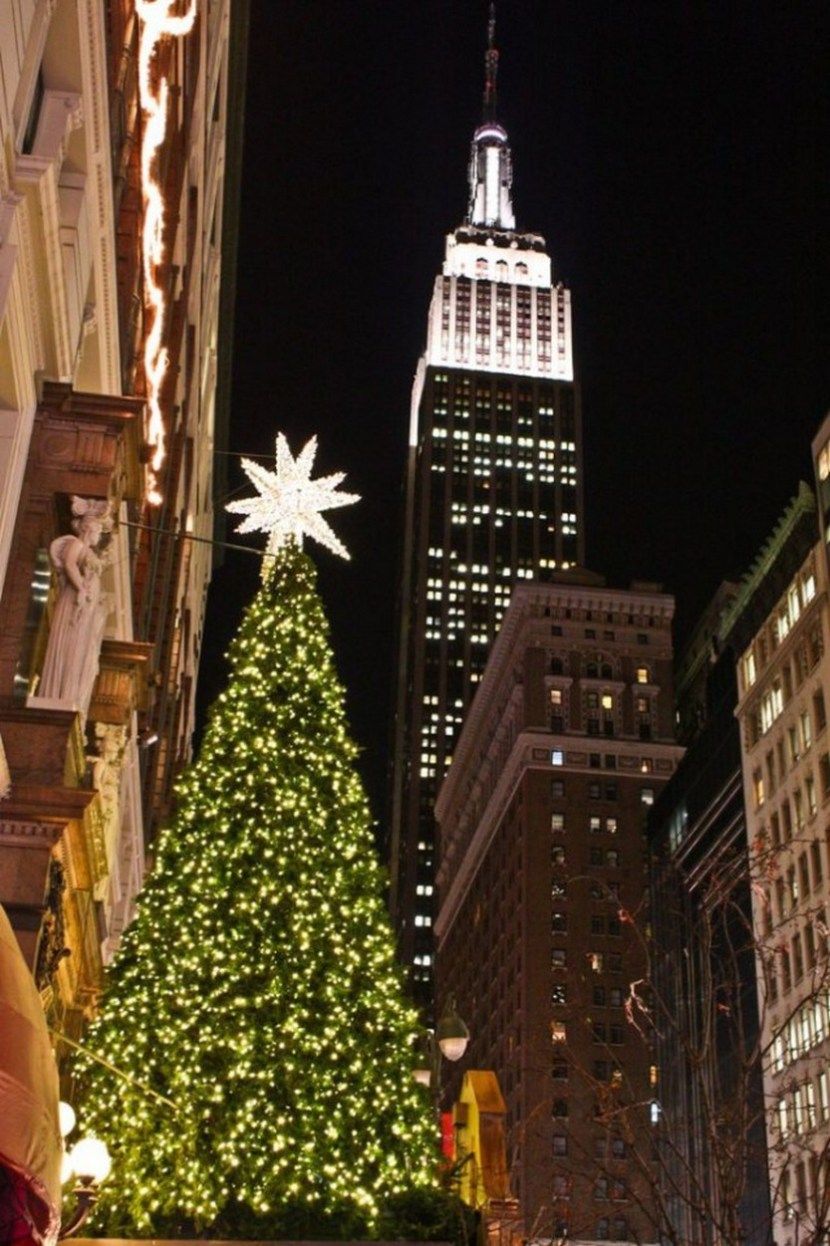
{"x": 290, "y": 503}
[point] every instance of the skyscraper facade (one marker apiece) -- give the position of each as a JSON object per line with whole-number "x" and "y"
{"x": 542, "y": 891}
{"x": 493, "y": 495}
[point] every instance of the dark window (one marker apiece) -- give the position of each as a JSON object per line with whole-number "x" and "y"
{"x": 560, "y": 1144}
{"x": 594, "y": 791}
{"x": 599, "y": 996}
{"x": 560, "y": 1107}
{"x": 557, "y": 787}
{"x": 559, "y": 1071}
{"x": 559, "y": 923}
{"x": 615, "y": 997}
{"x": 610, "y": 791}
{"x": 601, "y": 1070}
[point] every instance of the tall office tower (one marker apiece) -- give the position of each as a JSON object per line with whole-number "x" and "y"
{"x": 493, "y": 495}
{"x": 542, "y": 890}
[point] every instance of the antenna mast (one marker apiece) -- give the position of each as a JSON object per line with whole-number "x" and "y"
{"x": 491, "y": 66}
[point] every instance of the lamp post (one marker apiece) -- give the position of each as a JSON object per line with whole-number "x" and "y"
{"x": 89, "y": 1160}
{"x": 449, "y": 1039}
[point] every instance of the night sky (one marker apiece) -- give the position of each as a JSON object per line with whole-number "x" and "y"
{"x": 675, "y": 156}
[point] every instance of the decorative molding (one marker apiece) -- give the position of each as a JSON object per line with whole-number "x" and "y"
{"x": 121, "y": 686}
{"x": 51, "y": 946}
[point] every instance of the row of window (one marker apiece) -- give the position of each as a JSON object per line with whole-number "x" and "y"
{"x": 599, "y": 890}
{"x": 593, "y": 668}
{"x": 596, "y": 824}
{"x": 804, "y": 800}
{"x": 799, "y": 736}
{"x": 794, "y": 885}
{"x": 600, "y": 924}
{"x": 800, "y": 593}
{"x": 608, "y": 762}
{"x": 610, "y": 858}
{"x": 791, "y": 959}
{"x": 598, "y": 962}
{"x": 613, "y": 997}
{"x": 800, "y": 1110}
{"x": 805, "y": 1030}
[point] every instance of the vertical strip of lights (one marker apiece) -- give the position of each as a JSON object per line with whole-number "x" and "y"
{"x": 157, "y": 22}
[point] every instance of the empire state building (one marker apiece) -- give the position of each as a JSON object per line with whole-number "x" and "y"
{"x": 493, "y": 495}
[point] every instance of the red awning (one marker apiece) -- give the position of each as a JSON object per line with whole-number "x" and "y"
{"x": 30, "y": 1141}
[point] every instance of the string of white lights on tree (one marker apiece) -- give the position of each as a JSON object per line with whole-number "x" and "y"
{"x": 157, "y": 22}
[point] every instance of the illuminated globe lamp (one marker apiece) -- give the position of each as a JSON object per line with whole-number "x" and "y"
{"x": 449, "y": 1039}
{"x": 89, "y": 1161}
{"x": 452, "y": 1034}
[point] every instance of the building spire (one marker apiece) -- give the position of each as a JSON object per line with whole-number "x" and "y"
{"x": 491, "y": 67}
{"x": 491, "y": 175}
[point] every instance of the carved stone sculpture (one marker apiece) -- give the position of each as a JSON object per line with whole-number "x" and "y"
{"x": 106, "y": 766}
{"x": 52, "y": 943}
{"x": 77, "y": 629}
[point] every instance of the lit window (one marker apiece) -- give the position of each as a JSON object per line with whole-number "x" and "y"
{"x": 557, "y": 757}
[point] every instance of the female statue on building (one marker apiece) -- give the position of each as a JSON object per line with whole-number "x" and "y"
{"x": 72, "y": 653}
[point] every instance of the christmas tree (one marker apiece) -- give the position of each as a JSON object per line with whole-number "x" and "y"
{"x": 254, "y": 1003}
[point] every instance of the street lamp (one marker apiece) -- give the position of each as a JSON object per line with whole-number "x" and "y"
{"x": 90, "y": 1162}
{"x": 452, "y": 1034}
{"x": 449, "y": 1039}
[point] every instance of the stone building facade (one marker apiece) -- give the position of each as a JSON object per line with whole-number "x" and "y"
{"x": 106, "y": 457}
{"x": 542, "y": 890}
{"x": 784, "y": 693}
